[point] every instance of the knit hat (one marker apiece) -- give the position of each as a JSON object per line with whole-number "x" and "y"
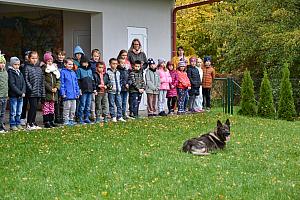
{"x": 181, "y": 64}
{"x": 48, "y": 56}
{"x": 14, "y": 60}
{"x": 78, "y": 49}
{"x": 2, "y": 58}
{"x": 150, "y": 61}
{"x": 193, "y": 59}
{"x": 161, "y": 61}
{"x": 207, "y": 58}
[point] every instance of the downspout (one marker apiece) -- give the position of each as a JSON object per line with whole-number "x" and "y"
{"x": 191, "y": 5}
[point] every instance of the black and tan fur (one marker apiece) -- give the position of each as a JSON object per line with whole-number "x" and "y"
{"x": 205, "y": 144}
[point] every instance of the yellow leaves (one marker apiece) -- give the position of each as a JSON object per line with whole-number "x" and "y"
{"x": 104, "y": 194}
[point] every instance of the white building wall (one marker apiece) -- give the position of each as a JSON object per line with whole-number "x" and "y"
{"x": 117, "y": 15}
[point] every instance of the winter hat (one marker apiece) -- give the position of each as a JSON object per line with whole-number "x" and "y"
{"x": 207, "y": 58}
{"x": 161, "y": 61}
{"x": 2, "y": 58}
{"x": 48, "y": 56}
{"x": 150, "y": 61}
{"x": 181, "y": 64}
{"x": 193, "y": 59}
{"x": 14, "y": 60}
{"x": 78, "y": 49}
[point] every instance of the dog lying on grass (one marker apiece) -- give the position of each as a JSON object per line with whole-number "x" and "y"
{"x": 205, "y": 144}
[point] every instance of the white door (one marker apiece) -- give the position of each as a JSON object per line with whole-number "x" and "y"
{"x": 83, "y": 39}
{"x": 141, "y": 34}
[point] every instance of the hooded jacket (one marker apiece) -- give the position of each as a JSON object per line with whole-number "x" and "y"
{"x": 114, "y": 77}
{"x": 3, "y": 83}
{"x": 16, "y": 83}
{"x": 68, "y": 84}
{"x": 98, "y": 81}
{"x": 124, "y": 77}
{"x": 165, "y": 79}
{"x": 194, "y": 76}
{"x": 136, "y": 81}
{"x": 34, "y": 79}
{"x": 85, "y": 79}
{"x": 173, "y": 85}
{"x": 152, "y": 81}
{"x": 52, "y": 80}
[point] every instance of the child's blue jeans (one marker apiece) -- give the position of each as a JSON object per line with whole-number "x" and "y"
{"x": 84, "y": 106}
{"x": 15, "y": 105}
{"x": 115, "y": 99}
{"x": 124, "y": 95}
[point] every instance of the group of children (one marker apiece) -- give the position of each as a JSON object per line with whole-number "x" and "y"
{"x": 82, "y": 90}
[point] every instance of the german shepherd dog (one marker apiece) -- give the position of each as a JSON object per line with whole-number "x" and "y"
{"x": 205, "y": 144}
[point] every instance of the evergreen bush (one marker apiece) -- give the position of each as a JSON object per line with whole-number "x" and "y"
{"x": 286, "y": 108}
{"x": 266, "y": 103}
{"x": 248, "y": 104}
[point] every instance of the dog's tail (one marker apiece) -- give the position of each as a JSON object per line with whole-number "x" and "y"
{"x": 187, "y": 146}
{"x": 195, "y": 147}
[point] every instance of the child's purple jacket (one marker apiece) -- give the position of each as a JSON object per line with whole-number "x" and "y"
{"x": 173, "y": 85}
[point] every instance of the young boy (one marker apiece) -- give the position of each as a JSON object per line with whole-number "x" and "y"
{"x": 16, "y": 93}
{"x": 86, "y": 85}
{"x": 102, "y": 83}
{"x": 69, "y": 91}
{"x": 78, "y": 54}
{"x": 3, "y": 91}
{"x": 208, "y": 77}
{"x": 195, "y": 80}
{"x": 114, "y": 96}
{"x": 136, "y": 88}
{"x": 124, "y": 75}
{"x": 152, "y": 87}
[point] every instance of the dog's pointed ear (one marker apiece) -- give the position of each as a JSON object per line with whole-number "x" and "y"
{"x": 219, "y": 124}
{"x": 227, "y": 122}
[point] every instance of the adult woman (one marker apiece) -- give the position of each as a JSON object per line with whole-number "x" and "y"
{"x": 136, "y": 53}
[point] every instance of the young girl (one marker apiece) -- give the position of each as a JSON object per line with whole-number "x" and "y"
{"x": 165, "y": 80}
{"x": 195, "y": 80}
{"x": 152, "y": 87}
{"x": 16, "y": 92}
{"x": 52, "y": 85}
{"x": 199, "y": 99}
{"x": 183, "y": 85}
{"x": 172, "y": 93}
{"x": 69, "y": 90}
{"x": 124, "y": 55}
{"x": 35, "y": 88}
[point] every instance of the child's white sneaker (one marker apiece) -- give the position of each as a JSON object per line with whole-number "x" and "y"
{"x": 30, "y": 128}
{"x": 114, "y": 119}
{"x": 121, "y": 119}
{"x": 23, "y": 122}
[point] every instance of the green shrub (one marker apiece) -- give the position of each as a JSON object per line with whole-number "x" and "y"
{"x": 266, "y": 104}
{"x": 248, "y": 104}
{"x": 286, "y": 109}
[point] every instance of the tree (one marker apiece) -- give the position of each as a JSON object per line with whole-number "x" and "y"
{"x": 286, "y": 109}
{"x": 248, "y": 104}
{"x": 266, "y": 104}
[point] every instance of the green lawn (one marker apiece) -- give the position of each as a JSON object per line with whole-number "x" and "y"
{"x": 142, "y": 160}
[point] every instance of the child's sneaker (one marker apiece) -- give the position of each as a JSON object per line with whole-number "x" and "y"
{"x": 121, "y": 119}
{"x": 2, "y": 130}
{"x": 20, "y": 127}
{"x": 23, "y": 122}
{"x": 114, "y": 119}
{"x": 36, "y": 126}
{"x": 14, "y": 128}
{"x": 105, "y": 120}
{"x": 30, "y": 127}
{"x": 87, "y": 121}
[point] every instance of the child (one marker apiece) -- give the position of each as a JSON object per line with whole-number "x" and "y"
{"x": 78, "y": 54}
{"x": 199, "y": 99}
{"x": 25, "y": 99}
{"x": 96, "y": 58}
{"x": 16, "y": 93}
{"x": 124, "y": 74}
{"x": 114, "y": 96}
{"x": 3, "y": 91}
{"x": 102, "y": 83}
{"x": 124, "y": 55}
{"x": 165, "y": 80}
{"x": 52, "y": 85}
{"x": 87, "y": 88}
{"x": 152, "y": 87}
{"x": 183, "y": 85}
{"x": 136, "y": 88}
{"x": 208, "y": 77}
{"x": 195, "y": 80}
{"x": 172, "y": 93}
{"x": 69, "y": 91}
{"x": 35, "y": 87}
{"x": 58, "y": 106}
